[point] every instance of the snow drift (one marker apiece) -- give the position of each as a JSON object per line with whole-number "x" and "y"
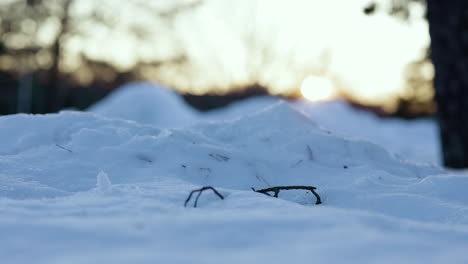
{"x": 147, "y": 103}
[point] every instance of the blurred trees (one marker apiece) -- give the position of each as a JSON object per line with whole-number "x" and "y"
{"x": 418, "y": 98}
{"x": 25, "y": 51}
{"x": 448, "y": 28}
{"x": 37, "y": 38}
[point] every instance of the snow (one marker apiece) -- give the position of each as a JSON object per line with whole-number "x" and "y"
{"x": 392, "y": 133}
{"x": 95, "y": 187}
{"x": 148, "y": 103}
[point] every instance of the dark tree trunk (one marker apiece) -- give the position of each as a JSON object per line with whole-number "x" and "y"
{"x": 448, "y": 24}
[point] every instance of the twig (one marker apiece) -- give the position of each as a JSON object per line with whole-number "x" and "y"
{"x": 219, "y": 157}
{"x": 260, "y": 178}
{"x": 64, "y": 148}
{"x": 296, "y": 164}
{"x": 277, "y": 189}
{"x": 145, "y": 158}
{"x": 205, "y": 169}
{"x": 199, "y": 193}
{"x": 310, "y": 153}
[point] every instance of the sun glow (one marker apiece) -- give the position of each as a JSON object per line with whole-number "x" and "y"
{"x": 316, "y": 88}
{"x": 270, "y": 42}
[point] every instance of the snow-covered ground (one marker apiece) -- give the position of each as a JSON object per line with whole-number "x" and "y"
{"x": 109, "y": 186}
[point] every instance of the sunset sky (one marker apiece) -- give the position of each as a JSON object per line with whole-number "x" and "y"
{"x": 279, "y": 43}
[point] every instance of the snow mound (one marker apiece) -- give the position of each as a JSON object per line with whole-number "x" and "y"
{"x": 276, "y": 146}
{"x": 153, "y": 104}
{"x": 147, "y": 103}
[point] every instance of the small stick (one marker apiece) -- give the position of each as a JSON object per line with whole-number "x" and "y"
{"x": 199, "y": 193}
{"x": 219, "y": 157}
{"x": 64, "y": 148}
{"x": 277, "y": 189}
{"x": 310, "y": 153}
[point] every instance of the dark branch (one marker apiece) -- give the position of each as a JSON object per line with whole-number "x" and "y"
{"x": 370, "y": 9}
{"x": 277, "y": 189}
{"x": 219, "y": 157}
{"x": 311, "y": 154}
{"x": 64, "y": 148}
{"x": 199, "y": 193}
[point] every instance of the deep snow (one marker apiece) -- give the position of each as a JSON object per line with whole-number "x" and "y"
{"x": 82, "y": 187}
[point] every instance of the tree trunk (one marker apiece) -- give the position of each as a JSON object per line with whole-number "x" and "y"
{"x": 448, "y": 24}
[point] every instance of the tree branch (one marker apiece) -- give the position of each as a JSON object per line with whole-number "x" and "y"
{"x": 199, "y": 193}
{"x": 277, "y": 189}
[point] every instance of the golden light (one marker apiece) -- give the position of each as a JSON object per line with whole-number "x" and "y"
{"x": 316, "y": 88}
{"x": 282, "y": 38}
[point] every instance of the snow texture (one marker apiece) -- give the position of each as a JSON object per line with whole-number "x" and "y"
{"x": 84, "y": 187}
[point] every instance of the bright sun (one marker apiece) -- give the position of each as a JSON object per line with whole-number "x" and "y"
{"x": 317, "y": 88}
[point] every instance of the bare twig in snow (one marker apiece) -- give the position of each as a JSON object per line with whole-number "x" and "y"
{"x": 296, "y": 164}
{"x": 310, "y": 153}
{"x": 64, "y": 148}
{"x": 219, "y": 157}
{"x": 205, "y": 169}
{"x": 260, "y": 178}
{"x": 145, "y": 158}
{"x": 277, "y": 189}
{"x": 199, "y": 191}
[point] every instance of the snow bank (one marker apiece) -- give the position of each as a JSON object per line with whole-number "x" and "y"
{"x": 255, "y": 151}
{"x": 80, "y": 187}
{"x": 152, "y": 104}
{"x": 147, "y": 103}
